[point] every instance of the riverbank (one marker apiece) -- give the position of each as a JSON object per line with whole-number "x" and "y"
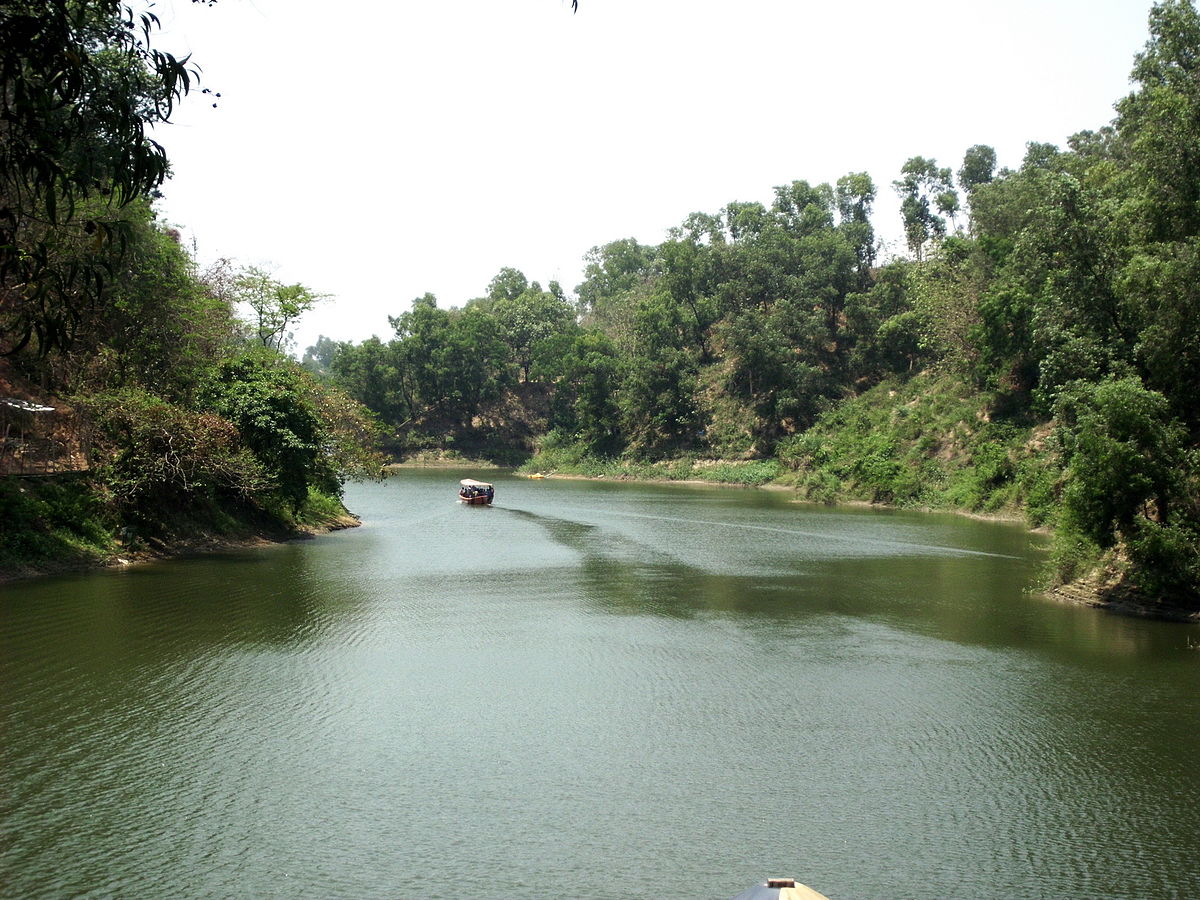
{"x": 66, "y": 524}
{"x": 440, "y": 462}
{"x": 140, "y": 552}
{"x": 1104, "y": 590}
{"x": 1100, "y": 589}
{"x": 563, "y": 461}
{"x": 1008, "y": 515}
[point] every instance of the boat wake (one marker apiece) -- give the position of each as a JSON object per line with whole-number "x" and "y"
{"x": 858, "y": 540}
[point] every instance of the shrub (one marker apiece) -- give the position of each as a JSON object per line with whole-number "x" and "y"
{"x": 1166, "y": 560}
{"x": 269, "y": 401}
{"x": 160, "y": 454}
{"x": 1073, "y": 555}
{"x": 53, "y": 521}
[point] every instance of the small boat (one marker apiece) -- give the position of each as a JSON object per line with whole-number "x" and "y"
{"x": 475, "y": 493}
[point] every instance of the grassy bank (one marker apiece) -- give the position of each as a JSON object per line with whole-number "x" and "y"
{"x": 54, "y": 523}
{"x": 69, "y": 523}
{"x": 921, "y": 443}
{"x": 447, "y": 459}
{"x": 573, "y": 461}
{"x": 928, "y": 443}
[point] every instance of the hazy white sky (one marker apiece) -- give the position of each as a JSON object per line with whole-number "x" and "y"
{"x": 381, "y": 149}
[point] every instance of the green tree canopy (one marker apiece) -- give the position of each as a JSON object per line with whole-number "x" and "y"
{"x": 924, "y": 188}
{"x": 273, "y": 306}
{"x": 80, "y": 86}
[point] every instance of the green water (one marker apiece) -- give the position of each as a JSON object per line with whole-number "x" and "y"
{"x": 595, "y": 690}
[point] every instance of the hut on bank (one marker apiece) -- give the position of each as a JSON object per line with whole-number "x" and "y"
{"x": 38, "y": 439}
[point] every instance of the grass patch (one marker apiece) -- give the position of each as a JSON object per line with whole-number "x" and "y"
{"x": 927, "y": 442}
{"x": 54, "y": 522}
{"x": 555, "y": 457}
{"x": 321, "y": 510}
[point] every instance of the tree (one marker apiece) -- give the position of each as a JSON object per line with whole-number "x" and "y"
{"x": 372, "y": 373}
{"x": 1162, "y": 286}
{"x": 1070, "y": 256}
{"x": 275, "y": 306}
{"x": 1159, "y": 124}
{"x": 509, "y": 284}
{"x": 1158, "y": 140}
{"x": 658, "y": 404}
{"x": 946, "y": 291}
{"x": 420, "y": 335}
{"x": 473, "y": 362}
{"x": 855, "y": 197}
{"x": 587, "y": 377}
{"x": 161, "y": 326}
{"x": 1130, "y": 478}
{"x": 781, "y": 386}
{"x": 80, "y": 85}
{"x": 1007, "y": 204}
{"x": 269, "y": 401}
{"x": 612, "y": 270}
{"x": 318, "y": 357}
{"x": 159, "y": 456}
{"x": 450, "y": 361}
{"x": 802, "y": 209}
{"x": 922, "y": 189}
{"x": 883, "y": 332}
{"x": 528, "y": 319}
{"x": 685, "y": 280}
{"x": 979, "y": 167}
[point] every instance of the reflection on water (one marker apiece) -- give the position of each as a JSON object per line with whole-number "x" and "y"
{"x": 587, "y": 686}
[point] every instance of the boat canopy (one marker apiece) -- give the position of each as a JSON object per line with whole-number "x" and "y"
{"x": 471, "y": 482}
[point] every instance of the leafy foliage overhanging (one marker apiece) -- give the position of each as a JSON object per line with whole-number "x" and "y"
{"x": 80, "y": 85}
{"x": 189, "y": 411}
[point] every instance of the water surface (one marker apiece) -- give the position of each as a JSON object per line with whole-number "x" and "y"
{"x": 589, "y": 690}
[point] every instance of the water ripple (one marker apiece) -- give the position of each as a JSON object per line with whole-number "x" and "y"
{"x": 445, "y": 703}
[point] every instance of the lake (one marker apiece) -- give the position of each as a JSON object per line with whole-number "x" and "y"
{"x": 595, "y": 690}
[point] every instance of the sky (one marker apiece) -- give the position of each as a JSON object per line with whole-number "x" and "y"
{"x": 379, "y": 150}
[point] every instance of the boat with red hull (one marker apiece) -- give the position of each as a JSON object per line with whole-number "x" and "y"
{"x": 475, "y": 493}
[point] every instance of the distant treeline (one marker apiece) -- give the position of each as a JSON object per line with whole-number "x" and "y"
{"x": 1062, "y": 295}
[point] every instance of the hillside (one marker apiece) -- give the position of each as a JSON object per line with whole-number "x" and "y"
{"x": 929, "y": 442}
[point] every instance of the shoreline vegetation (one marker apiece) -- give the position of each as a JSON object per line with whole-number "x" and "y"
{"x": 148, "y": 404}
{"x": 66, "y": 531}
{"x": 144, "y": 553}
{"x": 1101, "y": 588}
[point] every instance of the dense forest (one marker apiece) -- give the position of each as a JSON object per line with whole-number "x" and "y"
{"x": 1038, "y": 348}
{"x": 157, "y": 394}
